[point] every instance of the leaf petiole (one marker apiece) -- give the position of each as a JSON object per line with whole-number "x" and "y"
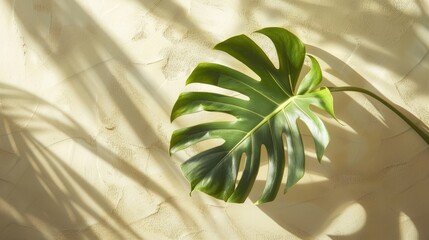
{"x": 421, "y": 132}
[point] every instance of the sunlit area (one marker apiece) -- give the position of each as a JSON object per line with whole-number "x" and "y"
{"x": 183, "y": 119}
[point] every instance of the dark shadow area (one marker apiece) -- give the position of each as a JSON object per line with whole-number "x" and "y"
{"x": 171, "y": 11}
{"x": 365, "y": 180}
{"x": 93, "y": 63}
{"x": 346, "y": 23}
{"x": 382, "y": 34}
{"x": 25, "y": 170}
{"x": 65, "y": 198}
{"x": 97, "y": 63}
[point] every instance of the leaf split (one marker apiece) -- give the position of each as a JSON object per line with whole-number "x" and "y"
{"x": 275, "y": 104}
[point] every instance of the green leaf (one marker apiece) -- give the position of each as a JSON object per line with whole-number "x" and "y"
{"x": 275, "y": 104}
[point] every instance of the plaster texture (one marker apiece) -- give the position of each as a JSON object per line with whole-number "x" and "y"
{"x": 86, "y": 88}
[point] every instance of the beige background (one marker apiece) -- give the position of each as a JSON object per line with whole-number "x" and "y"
{"x": 86, "y": 88}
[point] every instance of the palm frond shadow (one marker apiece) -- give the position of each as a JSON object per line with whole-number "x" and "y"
{"x": 103, "y": 60}
{"x": 97, "y": 49}
{"x": 359, "y": 22}
{"x": 378, "y": 184}
{"x": 383, "y": 35}
{"x": 33, "y": 170}
{"x": 171, "y": 12}
{"x": 64, "y": 198}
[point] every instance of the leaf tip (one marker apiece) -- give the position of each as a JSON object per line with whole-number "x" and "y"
{"x": 170, "y": 152}
{"x": 288, "y": 187}
{"x": 171, "y": 148}
{"x": 173, "y": 115}
{"x": 320, "y": 151}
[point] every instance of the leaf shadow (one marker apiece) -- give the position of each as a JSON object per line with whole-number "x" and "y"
{"x": 357, "y": 179}
{"x": 90, "y": 55}
{"x": 374, "y": 141}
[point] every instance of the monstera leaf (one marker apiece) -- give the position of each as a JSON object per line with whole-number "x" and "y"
{"x": 276, "y": 102}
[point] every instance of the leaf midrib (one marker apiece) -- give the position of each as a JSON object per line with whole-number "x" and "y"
{"x": 254, "y": 129}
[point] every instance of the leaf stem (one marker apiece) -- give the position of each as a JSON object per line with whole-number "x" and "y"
{"x": 421, "y": 132}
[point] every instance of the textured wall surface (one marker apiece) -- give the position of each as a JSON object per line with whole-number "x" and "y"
{"x": 86, "y": 88}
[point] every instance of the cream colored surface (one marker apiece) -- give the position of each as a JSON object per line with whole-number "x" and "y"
{"x": 86, "y": 88}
